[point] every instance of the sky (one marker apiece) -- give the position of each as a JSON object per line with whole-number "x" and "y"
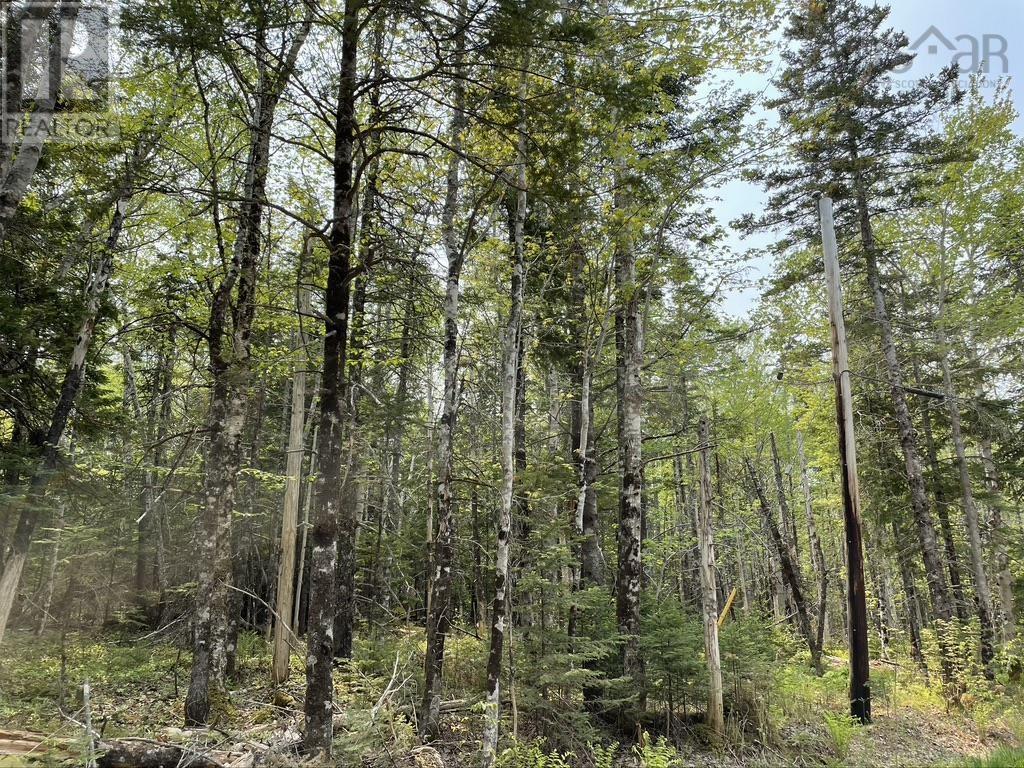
{"x": 972, "y": 27}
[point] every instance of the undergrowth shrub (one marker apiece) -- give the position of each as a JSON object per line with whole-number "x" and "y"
{"x": 377, "y": 699}
{"x": 1009, "y": 661}
{"x": 841, "y": 727}
{"x": 750, "y": 657}
{"x": 656, "y": 754}
{"x": 603, "y": 756}
{"x": 532, "y": 755}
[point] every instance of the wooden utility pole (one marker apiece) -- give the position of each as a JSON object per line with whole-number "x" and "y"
{"x": 860, "y": 687}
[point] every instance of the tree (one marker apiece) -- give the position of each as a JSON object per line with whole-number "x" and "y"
{"x": 47, "y": 444}
{"x": 228, "y": 338}
{"x": 327, "y": 514}
{"x": 510, "y": 376}
{"x": 284, "y": 629}
{"x": 439, "y": 583}
{"x": 788, "y": 567}
{"x": 861, "y": 140}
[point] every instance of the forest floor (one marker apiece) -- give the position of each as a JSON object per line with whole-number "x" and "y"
{"x": 138, "y": 685}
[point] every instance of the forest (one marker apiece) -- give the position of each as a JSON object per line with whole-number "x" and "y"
{"x": 373, "y": 392}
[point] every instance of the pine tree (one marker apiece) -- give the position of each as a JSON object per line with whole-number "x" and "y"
{"x": 863, "y": 142}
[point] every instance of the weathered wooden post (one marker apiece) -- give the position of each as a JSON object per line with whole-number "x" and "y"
{"x": 860, "y": 688}
{"x": 283, "y": 633}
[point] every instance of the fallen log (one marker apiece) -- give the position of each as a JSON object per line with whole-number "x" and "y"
{"x": 18, "y": 742}
{"x": 31, "y": 745}
{"x": 120, "y": 753}
{"x": 151, "y": 754}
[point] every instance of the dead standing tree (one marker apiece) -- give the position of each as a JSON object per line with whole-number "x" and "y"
{"x": 790, "y": 572}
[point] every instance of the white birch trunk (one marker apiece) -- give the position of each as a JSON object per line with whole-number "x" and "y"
{"x": 441, "y": 551}
{"x": 510, "y": 354}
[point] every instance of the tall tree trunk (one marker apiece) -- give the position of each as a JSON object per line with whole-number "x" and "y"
{"x": 775, "y": 582}
{"x": 723, "y": 593}
{"x": 881, "y": 616}
{"x": 560, "y": 573}
{"x": 591, "y": 567}
{"x": 319, "y": 705}
{"x": 686, "y": 498}
{"x": 709, "y": 597}
{"x": 354, "y": 488}
{"x": 479, "y": 592}
{"x": 741, "y": 572}
{"x": 788, "y": 567}
{"x": 232, "y": 312}
{"x": 244, "y": 554}
{"x": 51, "y": 578}
{"x": 353, "y": 485}
{"x": 1003, "y": 576}
{"x": 300, "y": 610}
{"x": 981, "y": 589}
{"x": 146, "y": 523}
{"x": 910, "y": 592}
{"x": 395, "y": 497}
{"x": 442, "y": 554}
{"x": 520, "y": 503}
{"x": 166, "y": 390}
{"x": 431, "y": 430}
{"x": 629, "y": 347}
{"x": 207, "y": 699}
{"x": 937, "y": 586}
{"x": 510, "y": 365}
{"x": 785, "y": 517}
{"x": 942, "y": 512}
{"x": 231, "y": 316}
{"x": 682, "y": 526}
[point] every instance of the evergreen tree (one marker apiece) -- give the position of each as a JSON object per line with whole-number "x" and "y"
{"x": 863, "y": 142}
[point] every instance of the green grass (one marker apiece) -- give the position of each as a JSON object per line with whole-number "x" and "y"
{"x": 1004, "y": 757}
